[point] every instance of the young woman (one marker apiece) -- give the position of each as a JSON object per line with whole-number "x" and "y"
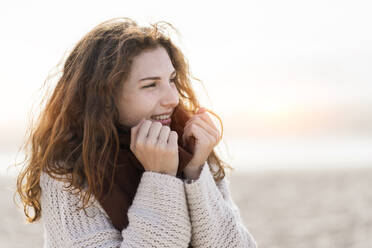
{"x": 122, "y": 155}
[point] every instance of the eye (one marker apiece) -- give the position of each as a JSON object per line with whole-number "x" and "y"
{"x": 173, "y": 80}
{"x": 148, "y": 86}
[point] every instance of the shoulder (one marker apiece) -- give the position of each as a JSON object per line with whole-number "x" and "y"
{"x": 57, "y": 192}
{"x": 66, "y": 222}
{"x": 56, "y": 184}
{"x": 47, "y": 180}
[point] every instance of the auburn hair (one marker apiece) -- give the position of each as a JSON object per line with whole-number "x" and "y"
{"x": 75, "y": 132}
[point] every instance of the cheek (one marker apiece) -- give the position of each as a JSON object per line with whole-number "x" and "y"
{"x": 127, "y": 109}
{"x": 133, "y": 108}
{"x": 176, "y": 92}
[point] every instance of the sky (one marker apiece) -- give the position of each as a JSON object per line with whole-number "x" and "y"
{"x": 267, "y": 65}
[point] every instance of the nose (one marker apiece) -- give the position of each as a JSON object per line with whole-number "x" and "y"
{"x": 170, "y": 96}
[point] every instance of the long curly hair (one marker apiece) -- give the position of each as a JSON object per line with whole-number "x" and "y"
{"x": 75, "y": 132}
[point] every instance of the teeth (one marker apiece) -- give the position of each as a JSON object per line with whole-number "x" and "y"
{"x": 161, "y": 117}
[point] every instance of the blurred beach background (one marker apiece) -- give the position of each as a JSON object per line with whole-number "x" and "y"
{"x": 291, "y": 81}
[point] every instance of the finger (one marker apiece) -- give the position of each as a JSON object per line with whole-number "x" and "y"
{"x": 213, "y": 132}
{"x": 204, "y": 113}
{"x": 134, "y": 132}
{"x": 204, "y": 116}
{"x": 172, "y": 139}
{"x": 211, "y": 129}
{"x": 154, "y": 132}
{"x": 164, "y": 135}
{"x": 194, "y": 129}
{"x": 201, "y": 136}
{"x": 143, "y": 131}
{"x": 186, "y": 134}
{"x": 220, "y": 122}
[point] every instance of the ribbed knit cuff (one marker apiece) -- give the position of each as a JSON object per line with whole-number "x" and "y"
{"x": 160, "y": 177}
{"x": 157, "y": 191}
{"x": 205, "y": 181}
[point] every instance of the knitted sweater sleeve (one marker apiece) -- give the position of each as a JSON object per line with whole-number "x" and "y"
{"x": 215, "y": 218}
{"x": 158, "y": 216}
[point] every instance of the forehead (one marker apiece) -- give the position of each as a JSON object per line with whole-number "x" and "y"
{"x": 151, "y": 63}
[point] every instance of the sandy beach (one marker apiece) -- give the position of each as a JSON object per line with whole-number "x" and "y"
{"x": 289, "y": 209}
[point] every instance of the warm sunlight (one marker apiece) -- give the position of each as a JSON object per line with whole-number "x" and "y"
{"x": 290, "y": 80}
{"x": 271, "y": 109}
{"x": 267, "y": 81}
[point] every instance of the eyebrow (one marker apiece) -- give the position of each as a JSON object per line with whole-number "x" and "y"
{"x": 155, "y": 78}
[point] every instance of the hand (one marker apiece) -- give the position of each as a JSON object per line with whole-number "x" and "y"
{"x": 155, "y": 146}
{"x": 202, "y": 135}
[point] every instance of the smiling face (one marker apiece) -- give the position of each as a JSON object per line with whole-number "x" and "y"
{"x": 149, "y": 89}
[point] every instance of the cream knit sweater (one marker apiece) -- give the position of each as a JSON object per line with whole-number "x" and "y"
{"x": 166, "y": 212}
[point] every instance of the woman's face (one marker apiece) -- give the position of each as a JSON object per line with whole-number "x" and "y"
{"x": 149, "y": 90}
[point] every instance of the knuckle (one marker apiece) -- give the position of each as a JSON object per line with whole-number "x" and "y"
{"x": 139, "y": 144}
{"x": 149, "y": 143}
{"x": 170, "y": 150}
{"x": 158, "y": 149}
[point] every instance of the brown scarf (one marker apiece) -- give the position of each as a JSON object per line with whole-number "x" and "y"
{"x": 129, "y": 171}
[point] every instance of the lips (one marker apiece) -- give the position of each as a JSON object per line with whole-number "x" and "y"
{"x": 164, "y": 122}
{"x": 169, "y": 113}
